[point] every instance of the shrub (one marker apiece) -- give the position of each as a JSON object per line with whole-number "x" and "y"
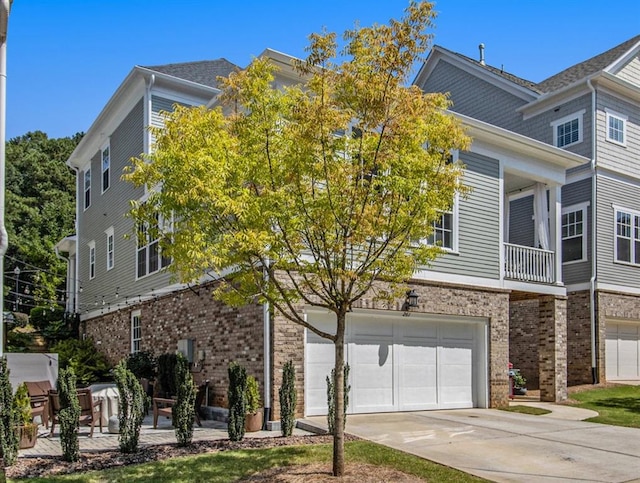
{"x": 184, "y": 410}
{"x": 42, "y": 316}
{"x": 252, "y": 395}
{"x": 237, "y": 401}
{"x": 132, "y": 406}
{"x": 142, "y": 364}
{"x": 8, "y": 417}
{"x": 167, "y": 374}
{"x": 69, "y": 415}
{"x": 331, "y": 398}
{"x": 89, "y": 365}
{"x": 288, "y": 399}
{"x": 22, "y": 405}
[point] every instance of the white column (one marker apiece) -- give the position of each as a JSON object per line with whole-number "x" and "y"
{"x": 555, "y": 229}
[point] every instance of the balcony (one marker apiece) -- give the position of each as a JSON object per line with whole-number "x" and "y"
{"x": 527, "y": 264}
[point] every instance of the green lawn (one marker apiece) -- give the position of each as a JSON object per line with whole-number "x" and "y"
{"x": 228, "y": 466}
{"x": 617, "y": 405}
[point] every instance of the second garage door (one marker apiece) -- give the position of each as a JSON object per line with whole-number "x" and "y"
{"x": 401, "y": 363}
{"x": 622, "y": 351}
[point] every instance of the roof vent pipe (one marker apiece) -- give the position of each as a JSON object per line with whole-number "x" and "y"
{"x": 481, "y": 47}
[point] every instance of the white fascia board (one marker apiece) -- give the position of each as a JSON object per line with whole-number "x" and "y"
{"x": 617, "y": 64}
{"x": 518, "y": 145}
{"x": 618, "y": 86}
{"x": 177, "y": 83}
{"x": 438, "y": 54}
{"x": 623, "y": 289}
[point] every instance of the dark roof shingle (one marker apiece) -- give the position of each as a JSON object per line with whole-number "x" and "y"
{"x": 203, "y": 72}
{"x": 586, "y": 68}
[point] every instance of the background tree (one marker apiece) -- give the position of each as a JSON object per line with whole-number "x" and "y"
{"x": 319, "y": 194}
{"x": 40, "y": 206}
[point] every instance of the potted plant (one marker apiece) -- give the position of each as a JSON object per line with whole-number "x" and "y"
{"x": 519, "y": 384}
{"x": 253, "y": 418}
{"x": 27, "y": 430}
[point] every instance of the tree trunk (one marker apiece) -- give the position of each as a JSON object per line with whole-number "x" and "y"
{"x": 338, "y": 423}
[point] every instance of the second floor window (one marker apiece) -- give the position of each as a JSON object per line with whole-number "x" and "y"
{"x": 149, "y": 258}
{"x": 110, "y": 248}
{"x": 92, "y": 260}
{"x": 87, "y": 188}
{"x": 574, "y": 239}
{"x": 442, "y": 234}
{"x": 627, "y": 237}
{"x": 616, "y": 127}
{"x": 106, "y": 168}
{"x": 568, "y": 130}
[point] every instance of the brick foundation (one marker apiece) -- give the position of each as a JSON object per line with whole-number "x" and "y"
{"x": 524, "y": 319}
{"x": 552, "y": 351}
{"x": 578, "y": 339}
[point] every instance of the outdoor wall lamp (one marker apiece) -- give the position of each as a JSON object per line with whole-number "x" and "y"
{"x": 410, "y": 301}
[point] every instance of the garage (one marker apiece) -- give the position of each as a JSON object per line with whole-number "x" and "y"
{"x": 622, "y": 351}
{"x": 400, "y": 363}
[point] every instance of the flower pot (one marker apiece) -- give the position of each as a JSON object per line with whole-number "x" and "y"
{"x": 27, "y": 435}
{"x": 253, "y": 422}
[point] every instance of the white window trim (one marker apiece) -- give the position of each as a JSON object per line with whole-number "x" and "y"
{"x": 454, "y": 228}
{"x": 609, "y": 114}
{"x": 102, "y": 170}
{"x": 585, "y": 230}
{"x": 110, "y": 252}
{"x": 163, "y": 224}
{"x": 136, "y": 314}
{"x": 92, "y": 259}
{"x": 633, "y": 213}
{"x": 576, "y": 115}
{"x": 85, "y": 189}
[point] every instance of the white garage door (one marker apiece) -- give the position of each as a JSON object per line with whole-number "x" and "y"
{"x": 400, "y": 363}
{"x": 622, "y": 351}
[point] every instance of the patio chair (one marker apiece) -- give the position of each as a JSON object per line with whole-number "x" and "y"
{"x": 39, "y": 398}
{"x": 163, "y": 407}
{"x": 90, "y": 409}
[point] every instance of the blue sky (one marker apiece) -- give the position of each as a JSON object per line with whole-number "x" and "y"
{"x": 67, "y": 57}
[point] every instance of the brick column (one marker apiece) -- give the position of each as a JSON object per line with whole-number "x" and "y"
{"x": 552, "y": 350}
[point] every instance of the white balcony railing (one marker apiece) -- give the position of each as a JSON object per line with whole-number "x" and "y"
{"x": 529, "y": 264}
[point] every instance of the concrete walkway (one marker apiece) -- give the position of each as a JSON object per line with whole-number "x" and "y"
{"x": 509, "y": 447}
{"x": 165, "y": 434}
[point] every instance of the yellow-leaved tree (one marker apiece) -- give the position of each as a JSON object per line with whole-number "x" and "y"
{"x": 317, "y": 194}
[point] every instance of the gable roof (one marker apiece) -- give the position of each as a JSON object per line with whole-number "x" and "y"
{"x": 586, "y": 68}
{"x": 204, "y": 72}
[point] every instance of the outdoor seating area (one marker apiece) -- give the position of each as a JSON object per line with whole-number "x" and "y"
{"x": 90, "y": 409}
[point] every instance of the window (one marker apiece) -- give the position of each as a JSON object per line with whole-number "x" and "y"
{"x": 568, "y": 130}
{"x": 574, "y": 233}
{"x": 106, "y": 168}
{"x": 136, "y": 331}
{"x": 627, "y": 237}
{"x": 149, "y": 258}
{"x": 87, "y": 188}
{"x": 442, "y": 234}
{"x": 92, "y": 259}
{"x": 616, "y": 127}
{"x": 110, "y": 248}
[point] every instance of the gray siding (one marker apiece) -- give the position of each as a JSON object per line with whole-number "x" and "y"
{"x": 623, "y": 159}
{"x": 631, "y": 71}
{"x": 573, "y": 194}
{"x": 158, "y": 105}
{"x": 539, "y": 127}
{"x": 625, "y": 195}
{"x": 474, "y": 97}
{"x": 479, "y": 223}
{"x": 521, "y": 224}
{"x": 108, "y": 209}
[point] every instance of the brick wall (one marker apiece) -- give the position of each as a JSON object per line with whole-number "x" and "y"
{"x": 524, "y": 319}
{"x": 578, "y": 339}
{"x": 225, "y": 334}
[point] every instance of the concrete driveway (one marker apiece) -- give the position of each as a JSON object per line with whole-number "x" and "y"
{"x": 507, "y": 447}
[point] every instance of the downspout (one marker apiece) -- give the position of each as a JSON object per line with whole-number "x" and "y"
{"x": 594, "y": 266}
{"x": 267, "y": 361}
{"x": 76, "y": 270}
{"x": 148, "y": 110}
{"x": 69, "y": 282}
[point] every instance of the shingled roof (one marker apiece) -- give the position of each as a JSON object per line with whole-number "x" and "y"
{"x": 586, "y": 68}
{"x": 203, "y": 72}
{"x": 501, "y": 72}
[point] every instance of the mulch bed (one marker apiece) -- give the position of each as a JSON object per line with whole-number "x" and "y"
{"x": 27, "y": 467}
